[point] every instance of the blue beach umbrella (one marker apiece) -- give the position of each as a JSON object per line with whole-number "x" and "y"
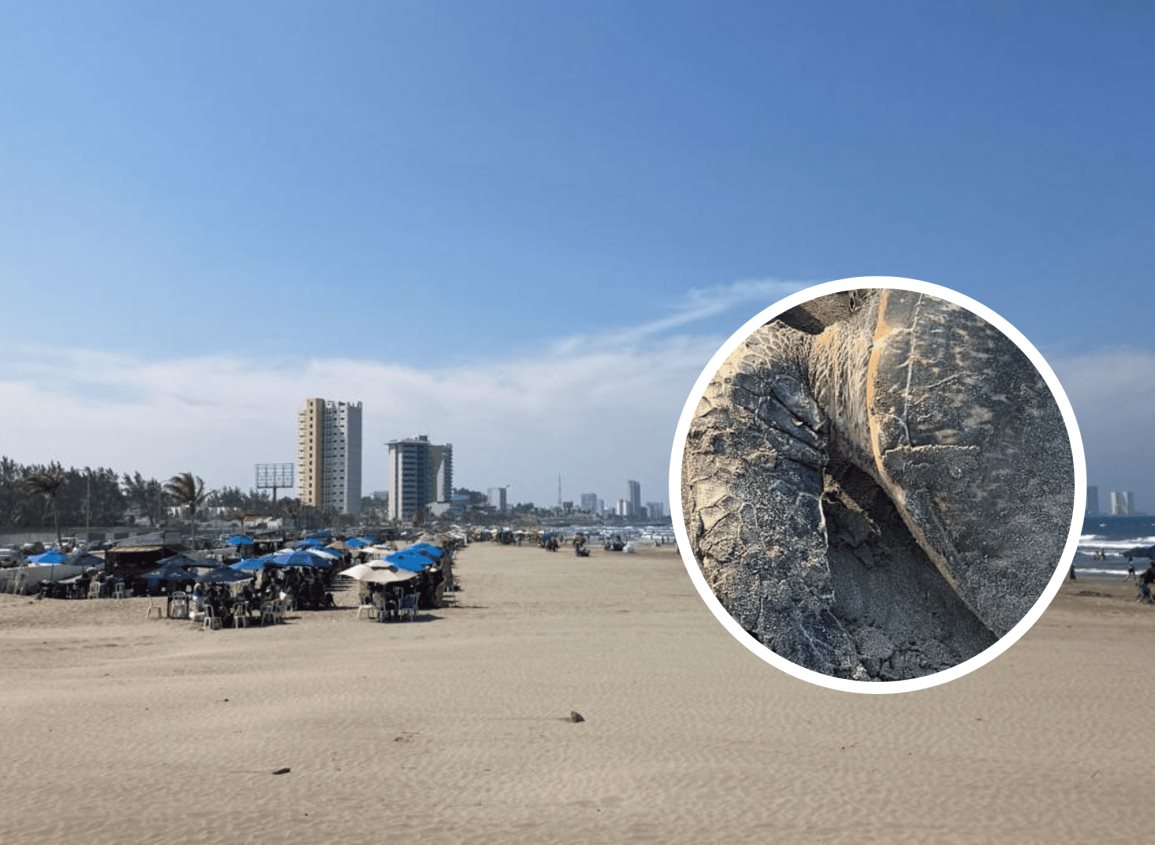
{"x": 411, "y": 561}
{"x": 249, "y": 564}
{"x": 427, "y": 549}
{"x": 298, "y": 558}
{"x": 239, "y": 540}
{"x": 311, "y": 543}
{"x": 354, "y": 543}
{"x": 224, "y": 575}
{"x": 49, "y": 557}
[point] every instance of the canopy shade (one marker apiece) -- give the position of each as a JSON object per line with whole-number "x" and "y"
{"x": 412, "y": 561}
{"x": 239, "y": 540}
{"x": 224, "y": 575}
{"x": 298, "y": 558}
{"x": 377, "y": 574}
{"x": 427, "y": 549}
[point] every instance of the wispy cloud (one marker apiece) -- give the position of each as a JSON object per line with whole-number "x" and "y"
{"x": 697, "y": 305}
{"x": 597, "y": 408}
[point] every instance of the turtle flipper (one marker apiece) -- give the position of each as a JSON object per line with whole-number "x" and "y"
{"x": 752, "y": 483}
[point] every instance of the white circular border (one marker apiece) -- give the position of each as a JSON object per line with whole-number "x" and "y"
{"x": 809, "y": 675}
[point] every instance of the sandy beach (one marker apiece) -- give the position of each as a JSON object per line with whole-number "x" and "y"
{"x": 455, "y": 727}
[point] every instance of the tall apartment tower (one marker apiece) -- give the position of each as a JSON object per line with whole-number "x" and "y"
{"x": 589, "y": 502}
{"x": 329, "y": 455}
{"x": 634, "y": 497}
{"x": 419, "y": 473}
{"x": 1093, "y": 500}
{"x": 497, "y": 499}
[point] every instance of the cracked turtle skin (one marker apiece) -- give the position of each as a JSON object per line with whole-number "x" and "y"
{"x": 877, "y": 484}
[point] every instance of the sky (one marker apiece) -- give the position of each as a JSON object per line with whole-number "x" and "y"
{"x": 524, "y": 227}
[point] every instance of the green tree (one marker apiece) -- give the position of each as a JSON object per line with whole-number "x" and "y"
{"x": 187, "y": 491}
{"x": 47, "y": 483}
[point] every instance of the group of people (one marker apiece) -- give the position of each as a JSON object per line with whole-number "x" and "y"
{"x": 388, "y": 600}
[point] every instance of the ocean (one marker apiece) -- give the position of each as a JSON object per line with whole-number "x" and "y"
{"x": 1111, "y": 537}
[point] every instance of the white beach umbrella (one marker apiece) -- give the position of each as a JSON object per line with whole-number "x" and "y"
{"x": 377, "y": 574}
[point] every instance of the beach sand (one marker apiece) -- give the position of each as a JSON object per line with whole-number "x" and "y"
{"x": 455, "y": 727}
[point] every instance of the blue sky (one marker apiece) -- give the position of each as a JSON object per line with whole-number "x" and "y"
{"x": 465, "y": 192}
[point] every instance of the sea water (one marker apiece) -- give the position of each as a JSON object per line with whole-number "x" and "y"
{"x": 1113, "y": 537}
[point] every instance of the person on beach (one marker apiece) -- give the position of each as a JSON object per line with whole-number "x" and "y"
{"x": 1145, "y": 582}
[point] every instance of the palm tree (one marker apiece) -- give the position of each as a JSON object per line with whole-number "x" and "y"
{"x": 47, "y": 483}
{"x": 188, "y": 491}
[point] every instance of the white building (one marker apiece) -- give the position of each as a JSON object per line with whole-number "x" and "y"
{"x": 329, "y": 455}
{"x": 655, "y": 510}
{"x": 420, "y": 476}
{"x": 1122, "y": 503}
{"x": 497, "y": 499}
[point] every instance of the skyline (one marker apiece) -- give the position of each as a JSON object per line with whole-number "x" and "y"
{"x": 524, "y": 229}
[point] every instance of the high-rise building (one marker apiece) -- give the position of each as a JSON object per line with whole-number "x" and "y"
{"x": 589, "y": 502}
{"x": 655, "y": 510}
{"x": 1092, "y": 500}
{"x": 1122, "y": 503}
{"x": 497, "y": 499}
{"x": 419, "y": 473}
{"x": 329, "y": 455}
{"x": 634, "y": 497}
{"x": 623, "y": 507}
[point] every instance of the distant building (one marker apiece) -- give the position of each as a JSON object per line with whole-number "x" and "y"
{"x": 497, "y": 499}
{"x": 1122, "y": 503}
{"x": 419, "y": 474}
{"x": 655, "y": 510}
{"x": 589, "y": 502}
{"x": 623, "y": 507}
{"x": 329, "y": 455}
{"x": 634, "y": 497}
{"x": 1092, "y": 501}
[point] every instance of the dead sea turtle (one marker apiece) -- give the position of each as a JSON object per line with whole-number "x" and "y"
{"x": 877, "y": 484}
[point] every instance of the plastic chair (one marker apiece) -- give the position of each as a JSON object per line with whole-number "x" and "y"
{"x": 212, "y": 621}
{"x": 267, "y": 613}
{"x": 408, "y": 606}
{"x": 118, "y": 590}
{"x": 367, "y": 607}
{"x": 159, "y": 608}
{"x": 240, "y": 615}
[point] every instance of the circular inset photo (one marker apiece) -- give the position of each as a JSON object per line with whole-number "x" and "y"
{"x": 876, "y": 484}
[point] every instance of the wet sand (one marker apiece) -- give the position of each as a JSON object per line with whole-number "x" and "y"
{"x": 455, "y": 727}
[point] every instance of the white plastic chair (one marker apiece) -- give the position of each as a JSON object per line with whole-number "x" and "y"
{"x": 212, "y": 621}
